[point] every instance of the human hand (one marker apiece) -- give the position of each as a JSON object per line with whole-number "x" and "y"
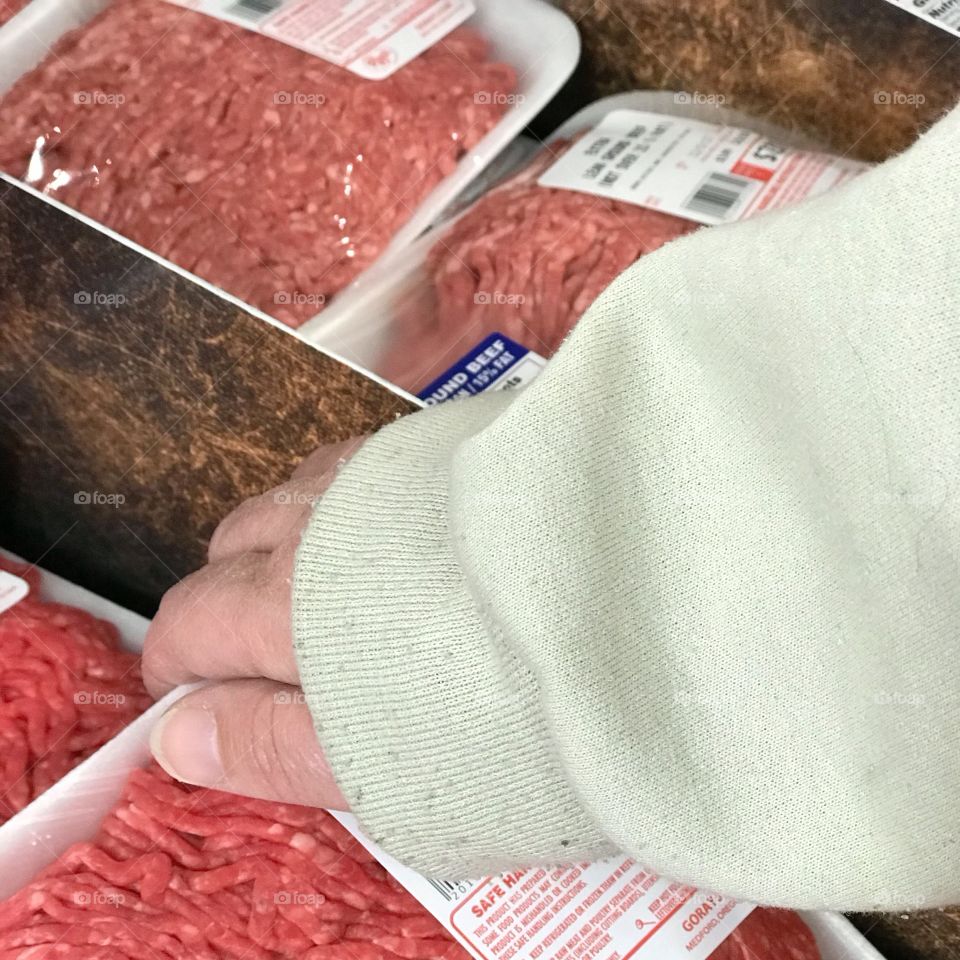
{"x": 248, "y": 730}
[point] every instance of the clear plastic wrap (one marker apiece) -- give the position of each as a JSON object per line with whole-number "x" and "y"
{"x": 259, "y": 167}
{"x": 865, "y": 76}
{"x": 525, "y": 261}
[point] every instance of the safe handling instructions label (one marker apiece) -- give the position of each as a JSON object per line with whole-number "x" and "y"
{"x": 700, "y": 171}
{"x": 609, "y": 910}
{"x": 371, "y": 38}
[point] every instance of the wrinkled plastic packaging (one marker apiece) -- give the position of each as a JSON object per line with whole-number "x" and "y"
{"x": 523, "y": 262}
{"x": 260, "y": 168}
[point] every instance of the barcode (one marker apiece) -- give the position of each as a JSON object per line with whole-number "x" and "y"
{"x": 449, "y": 891}
{"x": 718, "y": 194}
{"x": 255, "y": 9}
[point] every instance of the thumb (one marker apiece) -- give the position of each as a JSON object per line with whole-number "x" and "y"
{"x": 252, "y": 737}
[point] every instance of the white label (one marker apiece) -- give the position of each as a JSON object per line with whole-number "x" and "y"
{"x": 941, "y": 13}
{"x": 521, "y": 373}
{"x": 371, "y": 38}
{"x": 700, "y": 171}
{"x": 601, "y": 911}
{"x": 12, "y": 590}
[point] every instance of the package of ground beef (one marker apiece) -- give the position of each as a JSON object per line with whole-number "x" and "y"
{"x": 66, "y": 687}
{"x": 864, "y": 76}
{"x": 266, "y": 170}
{"x": 508, "y": 279}
{"x": 183, "y": 872}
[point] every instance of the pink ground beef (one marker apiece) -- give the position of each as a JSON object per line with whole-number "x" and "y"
{"x": 256, "y": 166}
{"x": 526, "y": 261}
{"x": 188, "y": 873}
{"x": 66, "y": 687}
{"x": 769, "y": 934}
{"x": 194, "y": 874}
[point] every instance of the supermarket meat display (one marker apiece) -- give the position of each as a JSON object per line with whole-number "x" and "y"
{"x": 66, "y": 687}
{"x": 262, "y": 169}
{"x": 526, "y": 261}
{"x": 189, "y": 872}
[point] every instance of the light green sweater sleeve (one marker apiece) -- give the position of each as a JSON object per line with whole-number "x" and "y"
{"x": 694, "y": 593}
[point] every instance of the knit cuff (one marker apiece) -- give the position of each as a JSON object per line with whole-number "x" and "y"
{"x": 432, "y": 727}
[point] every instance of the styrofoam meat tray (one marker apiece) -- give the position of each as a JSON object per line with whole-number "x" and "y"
{"x": 538, "y": 40}
{"x": 131, "y": 626}
{"x": 360, "y": 326}
{"x": 21, "y": 858}
{"x": 72, "y": 809}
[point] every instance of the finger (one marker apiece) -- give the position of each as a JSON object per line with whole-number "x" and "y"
{"x": 229, "y": 619}
{"x": 325, "y": 461}
{"x": 252, "y": 737}
{"x": 264, "y": 522}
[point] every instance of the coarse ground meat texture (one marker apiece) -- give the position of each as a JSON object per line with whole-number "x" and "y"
{"x": 524, "y": 260}
{"x": 186, "y": 872}
{"x": 195, "y": 873}
{"x": 66, "y": 687}
{"x": 260, "y": 168}
{"x": 769, "y": 934}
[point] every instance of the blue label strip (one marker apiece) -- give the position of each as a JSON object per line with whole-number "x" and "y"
{"x": 486, "y": 363}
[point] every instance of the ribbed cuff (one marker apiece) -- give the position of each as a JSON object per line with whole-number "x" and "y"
{"x": 432, "y": 727}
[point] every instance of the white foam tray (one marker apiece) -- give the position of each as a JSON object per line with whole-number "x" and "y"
{"x": 72, "y": 809}
{"x": 21, "y": 854}
{"x": 359, "y": 326}
{"x": 131, "y": 626}
{"x": 539, "y": 41}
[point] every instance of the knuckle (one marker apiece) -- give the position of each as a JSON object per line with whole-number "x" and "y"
{"x": 266, "y": 756}
{"x": 220, "y": 539}
{"x": 158, "y": 636}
